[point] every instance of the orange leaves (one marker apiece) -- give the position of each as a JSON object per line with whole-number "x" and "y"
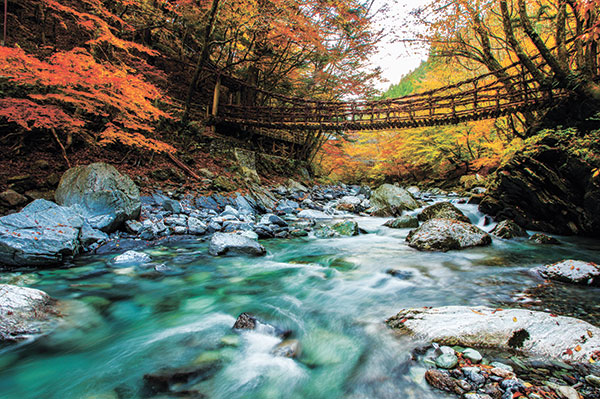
{"x": 74, "y": 83}
{"x": 112, "y": 134}
{"x": 30, "y": 115}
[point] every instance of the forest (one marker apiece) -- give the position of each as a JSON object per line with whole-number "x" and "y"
{"x": 292, "y": 199}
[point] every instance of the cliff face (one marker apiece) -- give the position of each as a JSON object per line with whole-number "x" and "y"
{"x": 552, "y": 185}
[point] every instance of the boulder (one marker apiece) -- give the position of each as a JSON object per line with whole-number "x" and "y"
{"x": 90, "y": 235}
{"x": 270, "y": 218}
{"x": 446, "y": 234}
{"x": 105, "y": 197}
{"x": 508, "y": 229}
{"x": 549, "y": 186}
{"x": 196, "y": 226}
{"x": 25, "y": 312}
{"x": 223, "y": 243}
{"x": 442, "y": 210}
{"x": 172, "y": 206}
{"x": 314, "y": 214}
{"x": 43, "y": 233}
{"x": 529, "y": 332}
{"x": 403, "y": 222}
{"x": 572, "y": 271}
{"x": 392, "y": 200}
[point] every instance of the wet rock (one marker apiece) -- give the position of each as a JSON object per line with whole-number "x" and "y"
{"x": 224, "y": 243}
{"x": 442, "y": 210}
{"x": 442, "y": 380}
{"x": 245, "y": 321}
{"x": 11, "y": 198}
{"x": 270, "y": 218}
{"x": 25, "y": 313}
{"x": 508, "y": 229}
{"x": 543, "y": 239}
{"x": 43, "y": 233}
{"x": 133, "y": 226}
{"x": 403, "y": 222}
{"x": 105, "y": 197}
{"x": 536, "y": 333}
{"x": 131, "y": 257}
{"x": 572, "y": 271}
{"x": 389, "y": 200}
{"x": 502, "y": 372}
{"x": 288, "y": 348}
{"x": 346, "y": 228}
{"x": 473, "y": 355}
{"x": 314, "y": 214}
{"x": 446, "y": 361}
{"x": 89, "y": 235}
{"x": 474, "y": 376}
{"x": 401, "y": 274}
{"x": 446, "y": 234}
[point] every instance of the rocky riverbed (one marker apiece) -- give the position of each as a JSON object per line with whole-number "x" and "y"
{"x": 282, "y": 292}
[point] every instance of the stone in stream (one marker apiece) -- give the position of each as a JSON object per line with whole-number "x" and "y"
{"x": 508, "y": 229}
{"x": 442, "y": 210}
{"x": 43, "y": 233}
{"x": 446, "y": 361}
{"x": 544, "y": 239}
{"x": 530, "y": 332}
{"x": 104, "y": 197}
{"x": 224, "y": 243}
{"x": 25, "y": 312}
{"x": 89, "y": 235}
{"x": 346, "y": 228}
{"x": 389, "y": 200}
{"x": 572, "y": 271}
{"x": 473, "y": 355}
{"x": 246, "y": 321}
{"x": 446, "y": 234}
{"x": 288, "y": 348}
{"x": 132, "y": 257}
{"x": 325, "y": 231}
{"x": 403, "y": 222}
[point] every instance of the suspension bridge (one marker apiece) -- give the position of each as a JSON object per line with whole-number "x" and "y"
{"x": 294, "y": 127}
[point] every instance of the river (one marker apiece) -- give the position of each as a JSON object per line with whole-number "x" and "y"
{"x": 334, "y": 294}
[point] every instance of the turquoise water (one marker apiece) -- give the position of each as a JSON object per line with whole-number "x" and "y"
{"x": 334, "y": 294}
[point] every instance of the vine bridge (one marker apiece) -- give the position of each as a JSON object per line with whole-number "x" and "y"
{"x": 294, "y": 127}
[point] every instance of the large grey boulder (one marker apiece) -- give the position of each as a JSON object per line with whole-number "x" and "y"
{"x": 447, "y": 234}
{"x": 389, "y": 200}
{"x": 442, "y": 210}
{"x": 105, "y": 197}
{"x": 530, "y": 332}
{"x": 24, "y": 312}
{"x": 224, "y": 243}
{"x": 572, "y": 271}
{"x": 43, "y": 233}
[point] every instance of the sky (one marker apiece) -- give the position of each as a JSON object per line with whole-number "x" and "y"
{"x": 396, "y": 59}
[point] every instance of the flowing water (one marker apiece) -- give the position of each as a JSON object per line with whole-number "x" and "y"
{"x": 334, "y": 294}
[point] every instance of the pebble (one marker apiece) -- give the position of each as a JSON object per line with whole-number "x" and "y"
{"x": 502, "y": 373}
{"x": 502, "y": 366}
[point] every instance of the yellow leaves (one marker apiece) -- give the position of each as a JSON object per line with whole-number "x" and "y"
{"x": 514, "y": 319}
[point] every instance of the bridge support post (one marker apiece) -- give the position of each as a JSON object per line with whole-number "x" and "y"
{"x": 216, "y": 95}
